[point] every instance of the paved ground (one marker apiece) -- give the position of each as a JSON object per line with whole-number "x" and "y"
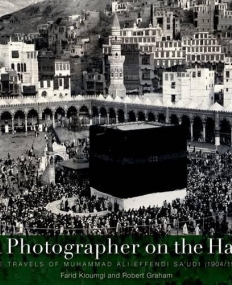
{"x": 67, "y": 135}
{"x": 17, "y": 144}
{"x": 206, "y": 147}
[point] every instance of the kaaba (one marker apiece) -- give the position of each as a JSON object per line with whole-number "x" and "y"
{"x": 131, "y": 160}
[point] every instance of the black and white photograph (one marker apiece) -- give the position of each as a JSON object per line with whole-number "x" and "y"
{"x": 115, "y": 117}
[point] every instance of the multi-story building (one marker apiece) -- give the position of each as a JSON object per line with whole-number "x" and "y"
{"x": 46, "y": 62}
{"x": 195, "y": 84}
{"x": 204, "y": 50}
{"x": 166, "y": 19}
{"x": 227, "y": 92}
{"x": 185, "y": 4}
{"x": 203, "y": 47}
{"x": 168, "y": 53}
{"x": 204, "y": 16}
{"x": 94, "y": 83}
{"x": 223, "y": 17}
{"x": 137, "y": 43}
{"x": 9, "y": 83}
{"x": 60, "y": 85}
{"x": 22, "y": 58}
{"x": 212, "y": 15}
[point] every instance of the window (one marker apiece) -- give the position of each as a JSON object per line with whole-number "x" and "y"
{"x": 56, "y": 83}
{"x": 199, "y": 73}
{"x": 15, "y": 54}
{"x": 166, "y": 76}
{"x": 227, "y": 89}
{"x": 41, "y": 84}
{"x": 12, "y": 66}
{"x": 66, "y": 83}
{"x": 25, "y": 67}
{"x": 22, "y": 69}
{"x": 173, "y": 98}
{"x": 44, "y": 94}
{"x": 146, "y": 75}
{"x": 173, "y": 85}
{"x": 168, "y": 27}
{"x": 145, "y": 60}
{"x": 194, "y": 74}
{"x": 18, "y": 67}
{"x": 48, "y": 83}
{"x": 227, "y": 74}
{"x": 60, "y": 82}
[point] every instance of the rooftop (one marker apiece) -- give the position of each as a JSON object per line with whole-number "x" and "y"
{"x": 137, "y": 126}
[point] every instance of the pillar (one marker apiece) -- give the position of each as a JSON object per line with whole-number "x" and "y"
{"x": 53, "y": 120}
{"x": 99, "y": 119}
{"x": 25, "y": 123}
{"x": 90, "y": 120}
{"x": 167, "y": 115}
{"x": 7, "y": 128}
{"x": 217, "y": 130}
{"x": 116, "y": 118}
{"x": 125, "y": 117}
{"x": 108, "y": 118}
{"x": 230, "y": 136}
{"x": 12, "y": 124}
{"x": 204, "y": 132}
{"x": 191, "y": 129}
{"x": 146, "y": 117}
{"x": 40, "y": 122}
{"x": 136, "y": 118}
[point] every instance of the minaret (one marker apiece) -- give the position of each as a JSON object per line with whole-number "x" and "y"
{"x": 116, "y": 61}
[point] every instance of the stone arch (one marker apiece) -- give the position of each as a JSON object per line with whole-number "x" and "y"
{"x": 151, "y": 117}
{"x": 141, "y": 116}
{"x": 161, "y": 118}
{"x": 6, "y": 121}
{"x": 71, "y": 112}
{"x": 19, "y": 120}
{"x": 84, "y": 109}
{"x": 59, "y": 112}
{"x": 209, "y": 130}
{"x": 32, "y": 119}
{"x": 95, "y": 114}
{"x": 185, "y": 122}
{"x": 121, "y": 117}
{"x": 225, "y": 132}
{"x": 197, "y": 128}
{"x": 174, "y": 119}
{"x": 131, "y": 116}
{"x": 84, "y": 116}
{"x": 58, "y": 155}
{"x": 47, "y": 116}
{"x": 103, "y": 118}
{"x": 112, "y": 116}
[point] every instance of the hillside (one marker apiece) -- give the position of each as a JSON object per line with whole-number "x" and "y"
{"x": 27, "y": 19}
{"x": 10, "y": 6}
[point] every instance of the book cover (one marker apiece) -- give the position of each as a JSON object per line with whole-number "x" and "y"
{"x": 115, "y": 143}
